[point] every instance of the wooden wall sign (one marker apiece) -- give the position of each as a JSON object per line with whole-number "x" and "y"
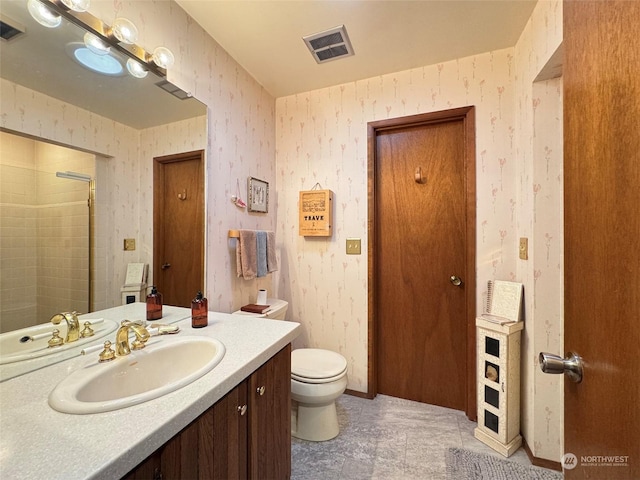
{"x": 316, "y": 217}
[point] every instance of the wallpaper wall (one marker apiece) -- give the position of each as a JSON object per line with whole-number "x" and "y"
{"x": 238, "y": 138}
{"x": 321, "y": 138}
{"x": 540, "y": 199}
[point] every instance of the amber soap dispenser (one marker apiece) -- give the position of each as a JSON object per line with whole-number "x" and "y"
{"x": 154, "y": 304}
{"x": 199, "y": 308}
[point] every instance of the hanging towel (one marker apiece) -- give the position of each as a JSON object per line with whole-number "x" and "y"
{"x": 272, "y": 260}
{"x": 246, "y": 255}
{"x": 261, "y": 245}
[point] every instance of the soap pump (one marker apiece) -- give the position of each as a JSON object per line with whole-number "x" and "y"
{"x": 154, "y": 304}
{"x": 199, "y": 308}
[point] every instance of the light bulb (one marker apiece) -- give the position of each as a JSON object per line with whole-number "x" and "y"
{"x": 77, "y": 5}
{"x": 124, "y": 30}
{"x": 163, "y": 57}
{"x": 95, "y": 44}
{"x": 43, "y": 15}
{"x": 135, "y": 69}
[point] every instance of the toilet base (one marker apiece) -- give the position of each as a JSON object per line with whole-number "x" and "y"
{"x": 316, "y": 423}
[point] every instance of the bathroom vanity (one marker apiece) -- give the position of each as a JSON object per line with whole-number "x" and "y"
{"x": 232, "y": 422}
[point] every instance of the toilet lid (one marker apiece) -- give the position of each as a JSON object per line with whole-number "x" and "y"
{"x": 309, "y": 364}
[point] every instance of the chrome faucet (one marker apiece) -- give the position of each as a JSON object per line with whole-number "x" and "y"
{"x": 73, "y": 325}
{"x": 122, "y": 337}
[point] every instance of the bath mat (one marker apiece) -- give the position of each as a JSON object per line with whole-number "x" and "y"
{"x": 467, "y": 465}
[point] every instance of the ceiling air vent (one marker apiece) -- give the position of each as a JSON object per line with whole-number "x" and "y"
{"x": 329, "y": 45}
{"x": 10, "y": 29}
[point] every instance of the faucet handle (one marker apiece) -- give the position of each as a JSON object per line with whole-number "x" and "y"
{"x": 87, "y": 331}
{"x": 56, "y": 339}
{"x": 108, "y": 353}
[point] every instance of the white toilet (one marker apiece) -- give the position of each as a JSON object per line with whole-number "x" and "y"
{"x": 318, "y": 378}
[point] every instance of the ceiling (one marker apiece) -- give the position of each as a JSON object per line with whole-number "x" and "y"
{"x": 265, "y": 36}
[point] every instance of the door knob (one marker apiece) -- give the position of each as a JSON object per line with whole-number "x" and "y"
{"x": 455, "y": 280}
{"x": 572, "y": 365}
{"x": 165, "y": 266}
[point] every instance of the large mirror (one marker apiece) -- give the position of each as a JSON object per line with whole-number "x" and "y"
{"x": 39, "y": 196}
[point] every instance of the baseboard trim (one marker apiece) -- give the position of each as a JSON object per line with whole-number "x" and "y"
{"x": 355, "y": 393}
{"x": 540, "y": 462}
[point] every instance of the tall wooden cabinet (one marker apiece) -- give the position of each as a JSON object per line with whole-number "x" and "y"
{"x": 246, "y": 434}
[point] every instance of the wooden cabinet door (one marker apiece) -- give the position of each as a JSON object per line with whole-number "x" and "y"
{"x": 226, "y": 435}
{"x": 149, "y": 469}
{"x": 246, "y": 434}
{"x": 213, "y": 446}
{"x": 270, "y": 418}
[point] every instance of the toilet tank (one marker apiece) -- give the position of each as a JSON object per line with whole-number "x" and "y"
{"x": 277, "y": 311}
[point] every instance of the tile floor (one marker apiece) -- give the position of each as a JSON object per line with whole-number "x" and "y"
{"x": 388, "y": 438}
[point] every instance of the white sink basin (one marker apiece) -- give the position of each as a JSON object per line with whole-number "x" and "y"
{"x": 13, "y": 350}
{"x": 138, "y": 377}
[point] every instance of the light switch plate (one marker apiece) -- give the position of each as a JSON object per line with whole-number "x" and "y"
{"x": 523, "y": 248}
{"x": 353, "y": 246}
{"x": 129, "y": 244}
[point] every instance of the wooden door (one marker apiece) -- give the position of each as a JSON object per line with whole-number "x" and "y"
{"x": 178, "y": 227}
{"x": 601, "y": 77}
{"x": 424, "y": 242}
{"x": 270, "y": 413}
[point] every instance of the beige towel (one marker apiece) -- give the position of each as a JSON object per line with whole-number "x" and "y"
{"x": 272, "y": 260}
{"x": 246, "y": 255}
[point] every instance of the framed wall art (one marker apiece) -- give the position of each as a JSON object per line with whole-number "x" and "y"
{"x": 258, "y": 195}
{"x": 315, "y": 213}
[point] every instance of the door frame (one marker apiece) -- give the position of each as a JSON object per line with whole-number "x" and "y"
{"x": 158, "y": 204}
{"x": 467, "y": 116}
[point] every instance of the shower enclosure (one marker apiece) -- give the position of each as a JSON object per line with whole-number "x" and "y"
{"x": 46, "y": 210}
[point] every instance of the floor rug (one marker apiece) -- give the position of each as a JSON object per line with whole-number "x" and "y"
{"x": 464, "y": 464}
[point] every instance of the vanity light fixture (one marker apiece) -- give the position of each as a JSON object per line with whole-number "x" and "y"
{"x": 163, "y": 57}
{"x": 43, "y": 15}
{"x": 77, "y": 5}
{"x": 136, "y": 69}
{"x": 122, "y": 35}
{"x": 124, "y": 30}
{"x": 95, "y": 44}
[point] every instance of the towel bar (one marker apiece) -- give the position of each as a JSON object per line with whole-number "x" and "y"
{"x": 234, "y": 233}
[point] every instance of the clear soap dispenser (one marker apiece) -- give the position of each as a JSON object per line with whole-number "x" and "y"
{"x": 154, "y": 304}
{"x": 199, "y": 308}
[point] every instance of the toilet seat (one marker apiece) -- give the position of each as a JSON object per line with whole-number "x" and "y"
{"x": 315, "y": 365}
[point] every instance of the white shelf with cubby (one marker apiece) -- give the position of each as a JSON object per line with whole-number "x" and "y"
{"x": 498, "y": 375}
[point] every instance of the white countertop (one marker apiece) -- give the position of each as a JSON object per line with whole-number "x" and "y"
{"x": 38, "y": 442}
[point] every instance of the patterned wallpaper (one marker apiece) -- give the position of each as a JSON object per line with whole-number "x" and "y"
{"x": 239, "y": 143}
{"x": 320, "y": 136}
{"x": 540, "y": 198}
